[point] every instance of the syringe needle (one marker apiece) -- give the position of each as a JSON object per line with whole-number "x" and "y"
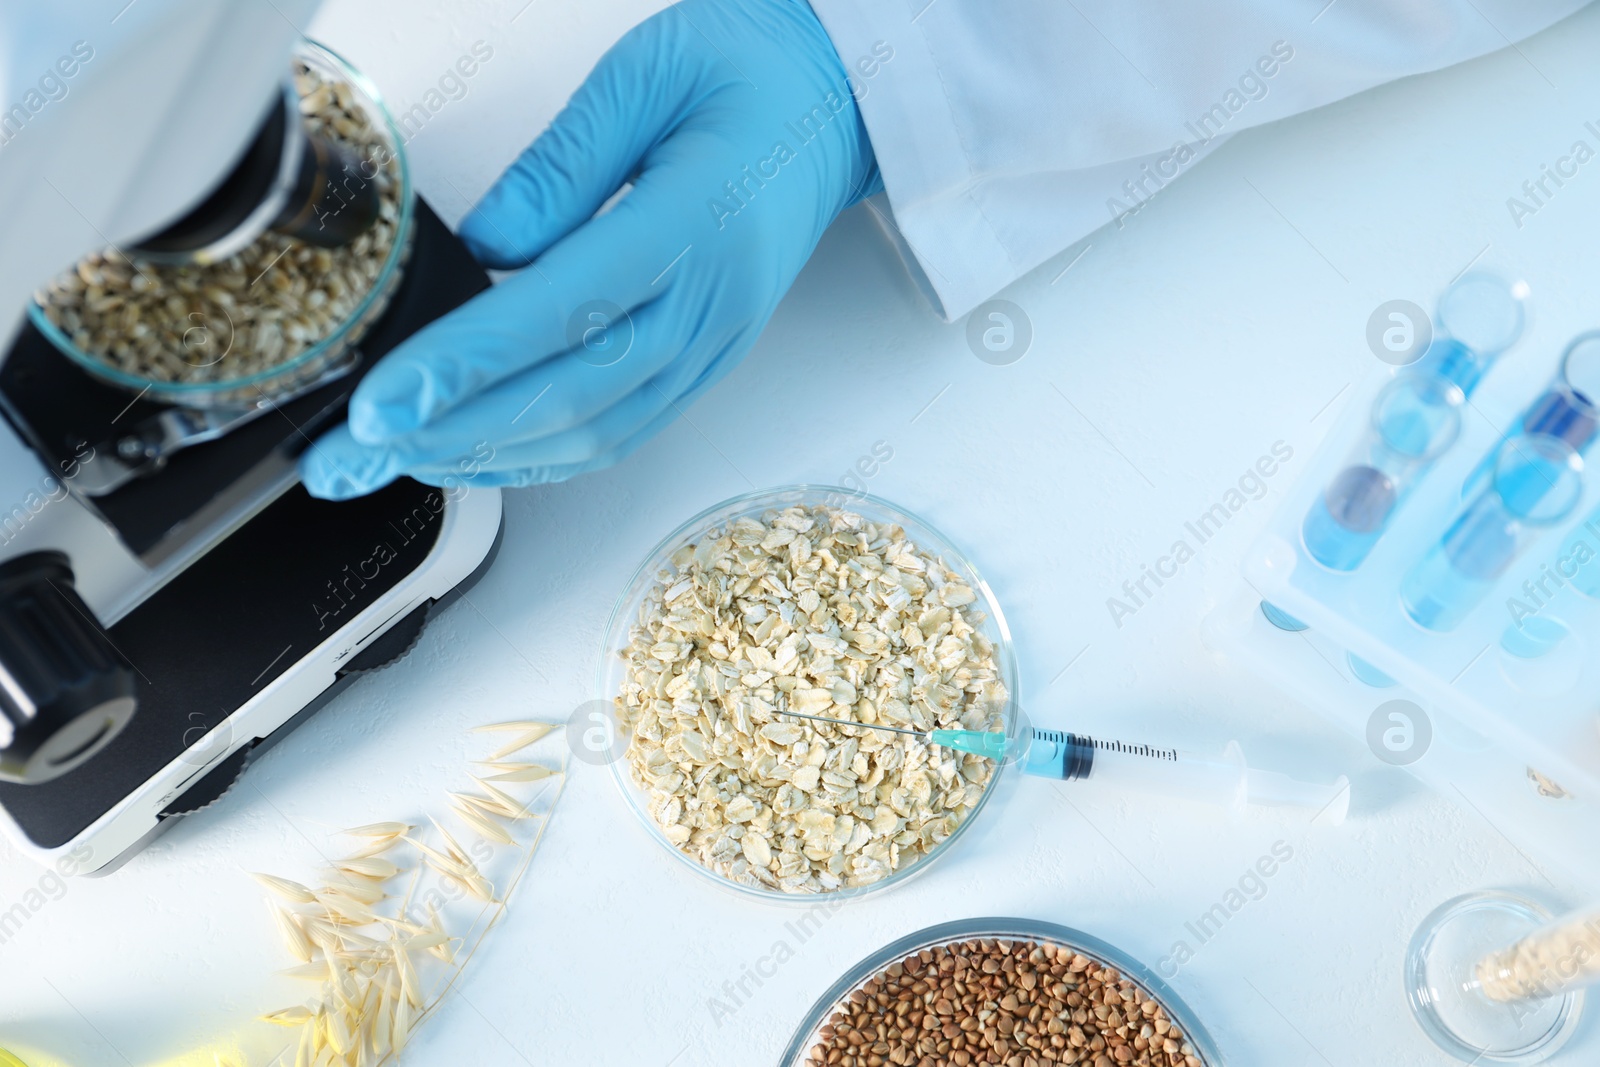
{"x": 989, "y": 744}
{"x": 846, "y": 722}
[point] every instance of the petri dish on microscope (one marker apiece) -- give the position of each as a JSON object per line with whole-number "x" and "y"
{"x": 220, "y": 370}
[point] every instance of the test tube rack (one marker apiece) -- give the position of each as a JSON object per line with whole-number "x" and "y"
{"x": 1510, "y": 719}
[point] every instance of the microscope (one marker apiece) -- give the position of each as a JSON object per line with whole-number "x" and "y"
{"x": 172, "y": 601}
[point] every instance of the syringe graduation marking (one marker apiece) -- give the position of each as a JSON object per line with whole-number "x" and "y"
{"x": 1061, "y": 737}
{"x": 1134, "y": 750}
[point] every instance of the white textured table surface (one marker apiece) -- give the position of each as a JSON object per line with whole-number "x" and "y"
{"x": 1224, "y": 318}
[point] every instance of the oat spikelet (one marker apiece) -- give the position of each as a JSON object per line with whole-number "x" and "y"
{"x": 381, "y": 1020}
{"x": 376, "y": 869}
{"x": 290, "y": 891}
{"x": 379, "y": 829}
{"x": 446, "y": 951}
{"x": 337, "y": 1027}
{"x": 506, "y": 801}
{"x": 402, "y": 924}
{"x": 457, "y": 853}
{"x": 530, "y": 773}
{"x": 522, "y": 741}
{"x": 400, "y": 1032}
{"x": 438, "y": 860}
{"x": 449, "y": 868}
{"x": 366, "y": 892}
{"x": 377, "y": 846}
{"x": 410, "y": 984}
{"x": 523, "y": 727}
{"x": 485, "y": 826}
{"x": 428, "y": 939}
{"x": 344, "y": 909}
{"x": 307, "y": 1051}
{"x": 482, "y": 888}
{"x": 287, "y": 1017}
{"x": 352, "y": 942}
{"x": 486, "y": 805}
{"x": 293, "y": 935}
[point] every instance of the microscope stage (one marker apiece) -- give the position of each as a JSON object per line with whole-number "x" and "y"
{"x": 254, "y": 602}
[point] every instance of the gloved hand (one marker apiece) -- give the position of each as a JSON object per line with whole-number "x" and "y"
{"x": 736, "y": 125}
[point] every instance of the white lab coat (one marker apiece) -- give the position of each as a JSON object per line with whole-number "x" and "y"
{"x": 1006, "y": 130}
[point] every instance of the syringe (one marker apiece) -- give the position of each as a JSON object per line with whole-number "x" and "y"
{"x": 1226, "y": 781}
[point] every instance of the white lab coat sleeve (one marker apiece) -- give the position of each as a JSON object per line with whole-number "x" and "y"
{"x": 1006, "y": 130}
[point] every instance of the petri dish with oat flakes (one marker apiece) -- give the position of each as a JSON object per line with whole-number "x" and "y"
{"x": 815, "y": 600}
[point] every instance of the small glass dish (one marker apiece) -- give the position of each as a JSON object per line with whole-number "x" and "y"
{"x": 807, "y": 1036}
{"x": 1445, "y": 988}
{"x": 327, "y": 359}
{"x": 612, "y": 669}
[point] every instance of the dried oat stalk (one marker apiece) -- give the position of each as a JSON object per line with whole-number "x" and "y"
{"x": 819, "y": 611}
{"x": 384, "y": 958}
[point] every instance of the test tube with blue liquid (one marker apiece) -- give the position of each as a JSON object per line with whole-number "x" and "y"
{"x": 1569, "y": 407}
{"x": 1566, "y": 409}
{"x": 1537, "y": 481}
{"x": 1479, "y": 317}
{"x": 1415, "y": 420}
{"x": 1536, "y": 628}
{"x": 1579, "y": 559}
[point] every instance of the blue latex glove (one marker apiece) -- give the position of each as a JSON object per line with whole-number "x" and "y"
{"x": 736, "y": 125}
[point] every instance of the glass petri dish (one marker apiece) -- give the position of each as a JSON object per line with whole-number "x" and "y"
{"x": 808, "y": 1035}
{"x": 657, "y": 562}
{"x": 324, "y": 360}
{"x": 1442, "y": 986}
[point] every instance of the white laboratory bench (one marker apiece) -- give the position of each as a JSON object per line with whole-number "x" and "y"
{"x": 1225, "y": 317}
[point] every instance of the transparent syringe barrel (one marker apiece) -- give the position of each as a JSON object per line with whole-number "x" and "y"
{"x": 1555, "y": 959}
{"x": 1167, "y": 772}
{"x": 1141, "y": 768}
